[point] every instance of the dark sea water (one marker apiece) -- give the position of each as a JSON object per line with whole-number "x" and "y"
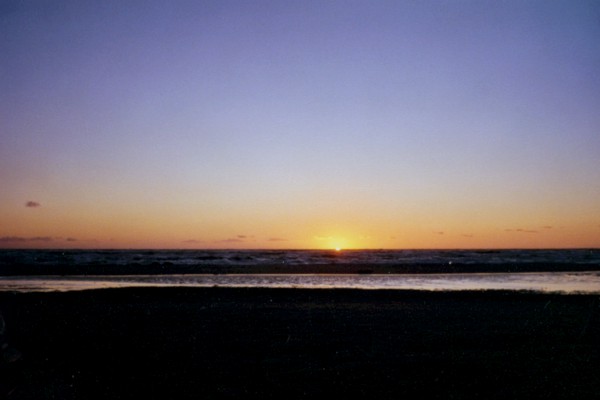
{"x": 589, "y": 257}
{"x": 560, "y": 271}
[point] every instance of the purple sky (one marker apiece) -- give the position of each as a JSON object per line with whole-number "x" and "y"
{"x": 300, "y": 124}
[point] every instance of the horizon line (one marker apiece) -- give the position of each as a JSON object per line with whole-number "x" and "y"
{"x": 302, "y": 249}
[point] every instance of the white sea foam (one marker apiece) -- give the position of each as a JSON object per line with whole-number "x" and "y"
{"x": 553, "y": 282}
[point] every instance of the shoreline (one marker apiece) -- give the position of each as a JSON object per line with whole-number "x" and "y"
{"x": 295, "y": 343}
{"x": 564, "y": 283}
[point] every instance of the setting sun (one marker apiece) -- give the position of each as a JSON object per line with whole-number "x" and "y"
{"x": 205, "y": 135}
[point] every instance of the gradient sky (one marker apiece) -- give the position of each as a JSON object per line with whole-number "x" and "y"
{"x": 299, "y": 124}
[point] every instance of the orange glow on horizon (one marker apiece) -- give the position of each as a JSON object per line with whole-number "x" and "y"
{"x": 66, "y": 226}
{"x": 263, "y": 140}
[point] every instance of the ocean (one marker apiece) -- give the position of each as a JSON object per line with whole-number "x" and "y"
{"x": 298, "y": 257}
{"x": 561, "y": 271}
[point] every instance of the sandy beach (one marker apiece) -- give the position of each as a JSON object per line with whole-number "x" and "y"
{"x": 280, "y": 343}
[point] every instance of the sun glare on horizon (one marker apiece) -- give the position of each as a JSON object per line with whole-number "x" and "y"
{"x": 334, "y": 126}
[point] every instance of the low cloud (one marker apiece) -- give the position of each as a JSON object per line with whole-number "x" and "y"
{"x": 12, "y": 239}
{"x": 236, "y": 239}
{"x": 526, "y": 231}
{"x": 192, "y": 241}
{"x": 41, "y": 239}
{"x": 32, "y": 204}
{"x": 547, "y": 227}
{"x": 521, "y": 230}
{"x": 19, "y": 239}
{"x": 467, "y": 235}
{"x": 230, "y": 240}
{"x": 277, "y": 239}
{"x": 439, "y": 233}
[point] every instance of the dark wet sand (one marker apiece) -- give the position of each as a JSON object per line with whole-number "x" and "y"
{"x": 179, "y": 343}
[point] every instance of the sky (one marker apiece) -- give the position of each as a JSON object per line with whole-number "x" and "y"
{"x": 299, "y": 124}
